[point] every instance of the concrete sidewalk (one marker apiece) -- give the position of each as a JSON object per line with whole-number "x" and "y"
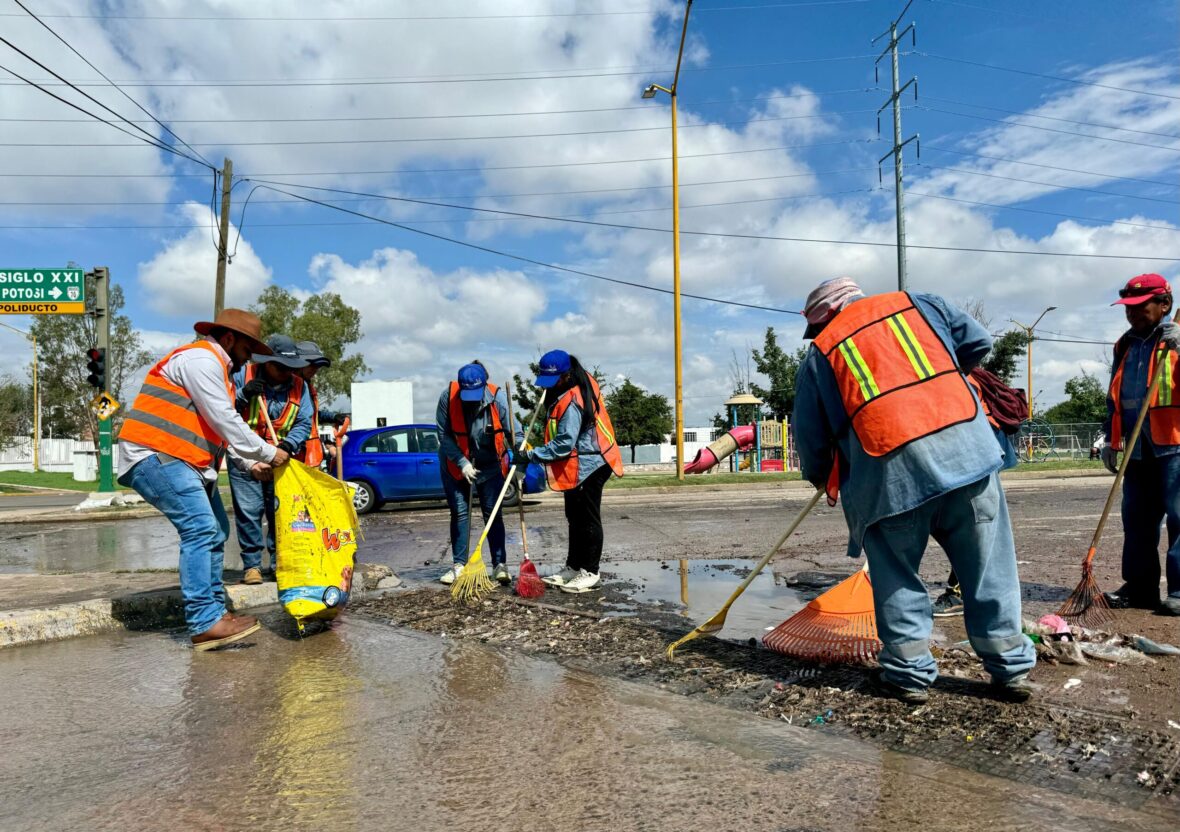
{"x": 40, "y": 608}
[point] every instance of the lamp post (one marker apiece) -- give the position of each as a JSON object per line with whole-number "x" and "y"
{"x": 1028, "y": 330}
{"x": 36, "y": 397}
{"x": 650, "y": 92}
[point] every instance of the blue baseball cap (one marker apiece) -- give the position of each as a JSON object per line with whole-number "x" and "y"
{"x": 472, "y": 380}
{"x": 554, "y": 364}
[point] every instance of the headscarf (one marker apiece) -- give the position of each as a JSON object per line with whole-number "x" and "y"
{"x": 826, "y": 300}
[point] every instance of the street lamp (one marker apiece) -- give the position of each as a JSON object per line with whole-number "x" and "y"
{"x": 36, "y": 398}
{"x": 650, "y": 92}
{"x": 1028, "y": 330}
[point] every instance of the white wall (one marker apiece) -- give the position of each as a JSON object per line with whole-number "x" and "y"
{"x": 391, "y": 400}
{"x": 56, "y": 455}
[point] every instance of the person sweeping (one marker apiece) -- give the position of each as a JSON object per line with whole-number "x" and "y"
{"x": 579, "y": 455}
{"x": 881, "y": 398}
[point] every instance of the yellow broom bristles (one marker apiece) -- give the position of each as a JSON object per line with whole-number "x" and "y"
{"x": 473, "y": 582}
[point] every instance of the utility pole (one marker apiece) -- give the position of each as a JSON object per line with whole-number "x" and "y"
{"x": 102, "y": 328}
{"x": 894, "y": 100}
{"x": 227, "y": 177}
{"x": 1028, "y": 331}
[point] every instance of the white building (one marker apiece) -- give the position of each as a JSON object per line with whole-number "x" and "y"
{"x": 379, "y": 403}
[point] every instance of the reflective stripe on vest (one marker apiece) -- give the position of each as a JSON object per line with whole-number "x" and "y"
{"x": 563, "y": 473}
{"x": 1163, "y": 413}
{"x": 164, "y": 418}
{"x": 458, "y": 426}
{"x": 285, "y": 420}
{"x": 897, "y": 379}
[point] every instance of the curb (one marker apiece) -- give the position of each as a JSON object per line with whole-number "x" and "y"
{"x": 150, "y": 610}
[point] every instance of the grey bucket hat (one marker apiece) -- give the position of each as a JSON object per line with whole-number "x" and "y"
{"x": 285, "y": 352}
{"x": 310, "y": 352}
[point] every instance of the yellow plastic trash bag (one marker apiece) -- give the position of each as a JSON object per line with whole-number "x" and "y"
{"x": 317, "y": 530}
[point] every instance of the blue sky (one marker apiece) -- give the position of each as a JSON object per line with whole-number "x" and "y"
{"x": 777, "y": 113}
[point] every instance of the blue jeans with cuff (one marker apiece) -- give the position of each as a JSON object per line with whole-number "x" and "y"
{"x": 486, "y": 493}
{"x": 1151, "y": 496}
{"x": 971, "y": 524}
{"x": 194, "y": 508}
{"x": 252, "y": 501}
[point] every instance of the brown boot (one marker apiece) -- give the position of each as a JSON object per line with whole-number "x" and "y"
{"x": 228, "y": 629}
{"x": 253, "y": 576}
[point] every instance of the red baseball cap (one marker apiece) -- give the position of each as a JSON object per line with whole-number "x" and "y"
{"x": 1142, "y": 289}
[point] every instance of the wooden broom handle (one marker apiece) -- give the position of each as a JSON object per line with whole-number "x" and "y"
{"x": 487, "y": 526}
{"x": 262, "y": 408}
{"x": 524, "y": 539}
{"x": 1129, "y": 445}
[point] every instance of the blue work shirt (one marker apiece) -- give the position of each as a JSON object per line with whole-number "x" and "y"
{"x": 276, "y": 399}
{"x": 873, "y": 488}
{"x": 568, "y": 436}
{"x": 1134, "y": 391}
{"x": 480, "y": 432}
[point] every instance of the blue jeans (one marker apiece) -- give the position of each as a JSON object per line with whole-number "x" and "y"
{"x": 194, "y": 507}
{"x": 1151, "y": 496}
{"x": 486, "y": 492}
{"x": 252, "y": 500}
{"x": 971, "y": 524}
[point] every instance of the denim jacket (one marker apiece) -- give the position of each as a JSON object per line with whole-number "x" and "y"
{"x": 276, "y": 400}
{"x": 483, "y": 443}
{"x": 873, "y": 488}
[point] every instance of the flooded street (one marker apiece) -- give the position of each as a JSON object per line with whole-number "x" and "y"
{"x": 370, "y": 727}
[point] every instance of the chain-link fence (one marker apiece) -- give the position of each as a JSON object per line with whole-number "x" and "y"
{"x": 1039, "y": 440}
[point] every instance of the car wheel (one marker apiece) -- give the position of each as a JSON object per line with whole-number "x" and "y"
{"x": 364, "y": 499}
{"x": 512, "y": 496}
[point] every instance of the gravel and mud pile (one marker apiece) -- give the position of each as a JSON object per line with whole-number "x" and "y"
{"x": 1115, "y": 754}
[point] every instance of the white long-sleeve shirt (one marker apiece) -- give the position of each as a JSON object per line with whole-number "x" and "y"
{"x": 202, "y": 375}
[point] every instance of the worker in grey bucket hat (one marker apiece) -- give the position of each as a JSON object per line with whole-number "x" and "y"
{"x": 317, "y": 449}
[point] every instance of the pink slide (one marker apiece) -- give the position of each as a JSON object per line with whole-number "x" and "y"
{"x": 740, "y": 438}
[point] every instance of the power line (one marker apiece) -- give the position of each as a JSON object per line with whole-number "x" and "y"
{"x": 940, "y": 149}
{"x": 122, "y": 92}
{"x": 645, "y": 107}
{"x": 727, "y": 235}
{"x": 1051, "y": 185}
{"x": 1038, "y": 211}
{"x": 433, "y": 139}
{"x": 406, "y": 18}
{"x": 1043, "y": 75}
{"x": 1050, "y": 118}
{"x": 1008, "y": 123}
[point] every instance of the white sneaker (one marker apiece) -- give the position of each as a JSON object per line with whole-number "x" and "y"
{"x": 449, "y": 576}
{"x": 582, "y": 582}
{"x": 561, "y": 577}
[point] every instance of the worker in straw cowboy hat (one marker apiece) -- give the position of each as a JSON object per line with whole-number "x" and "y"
{"x": 884, "y": 414}
{"x": 171, "y": 446}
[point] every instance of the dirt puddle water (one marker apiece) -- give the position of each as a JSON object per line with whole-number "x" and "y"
{"x": 371, "y": 727}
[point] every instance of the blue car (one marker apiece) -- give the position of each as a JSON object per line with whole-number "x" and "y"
{"x": 400, "y": 463}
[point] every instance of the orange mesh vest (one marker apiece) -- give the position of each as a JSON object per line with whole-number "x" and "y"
{"x": 459, "y": 430}
{"x": 563, "y": 473}
{"x": 897, "y": 379}
{"x": 313, "y": 450}
{"x": 286, "y": 419}
{"x": 1163, "y": 412}
{"x": 164, "y": 418}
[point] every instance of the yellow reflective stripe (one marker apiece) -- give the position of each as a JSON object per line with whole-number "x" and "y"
{"x": 856, "y": 363}
{"x": 1165, "y": 393}
{"x": 550, "y": 429}
{"x": 604, "y": 429}
{"x": 910, "y": 346}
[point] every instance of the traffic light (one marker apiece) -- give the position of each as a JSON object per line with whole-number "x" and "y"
{"x": 97, "y": 367}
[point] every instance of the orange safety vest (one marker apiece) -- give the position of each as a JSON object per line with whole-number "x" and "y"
{"x": 458, "y": 424}
{"x": 982, "y": 401}
{"x": 164, "y": 418}
{"x": 563, "y": 473}
{"x": 897, "y": 379}
{"x": 1163, "y": 412}
{"x": 313, "y": 449}
{"x": 285, "y": 420}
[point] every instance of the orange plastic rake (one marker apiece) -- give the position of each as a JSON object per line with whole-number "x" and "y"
{"x": 838, "y": 626}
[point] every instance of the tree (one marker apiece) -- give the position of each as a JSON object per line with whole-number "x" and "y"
{"x": 780, "y": 367}
{"x": 62, "y": 342}
{"x": 1086, "y": 402}
{"x": 16, "y": 411}
{"x": 325, "y": 319}
{"x": 1006, "y": 351}
{"x": 639, "y": 417}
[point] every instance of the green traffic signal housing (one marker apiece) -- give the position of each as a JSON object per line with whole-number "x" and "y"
{"x": 97, "y": 366}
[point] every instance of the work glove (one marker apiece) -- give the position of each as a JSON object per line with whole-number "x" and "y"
{"x": 1110, "y": 457}
{"x": 287, "y": 446}
{"x": 1170, "y": 334}
{"x": 519, "y": 457}
{"x": 254, "y": 387}
{"x": 469, "y": 473}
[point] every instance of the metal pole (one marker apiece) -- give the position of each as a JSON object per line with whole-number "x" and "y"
{"x": 227, "y": 176}
{"x": 36, "y": 410}
{"x": 677, "y": 347}
{"x": 897, "y": 180}
{"x": 102, "y": 279}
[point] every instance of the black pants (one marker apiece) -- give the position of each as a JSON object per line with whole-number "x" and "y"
{"x": 583, "y": 512}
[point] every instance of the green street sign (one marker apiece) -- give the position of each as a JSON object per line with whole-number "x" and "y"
{"x": 42, "y": 292}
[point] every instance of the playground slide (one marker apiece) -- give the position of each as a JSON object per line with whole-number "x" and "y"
{"x": 740, "y": 438}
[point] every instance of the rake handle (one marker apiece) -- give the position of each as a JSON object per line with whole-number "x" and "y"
{"x": 774, "y": 549}
{"x": 524, "y": 539}
{"x": 1129, "y": 446}
{"x": 262, "y": 408}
